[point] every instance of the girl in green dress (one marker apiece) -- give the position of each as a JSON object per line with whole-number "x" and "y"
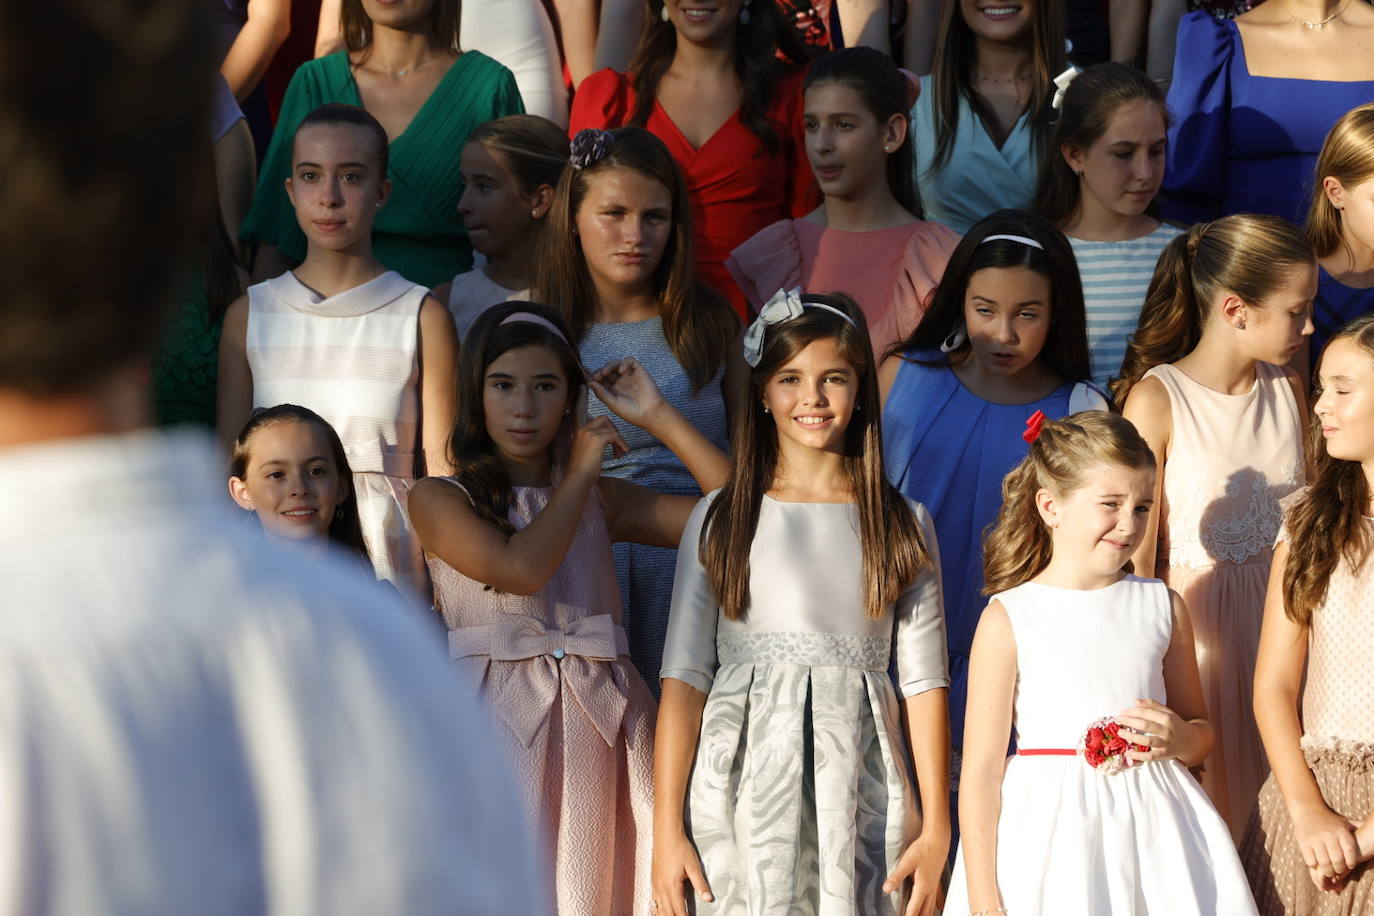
{"x": 404, "y": 66}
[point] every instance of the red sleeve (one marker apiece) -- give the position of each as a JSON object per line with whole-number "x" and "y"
{"x": 604, "y": 100}
{"x": 804, "y": 195}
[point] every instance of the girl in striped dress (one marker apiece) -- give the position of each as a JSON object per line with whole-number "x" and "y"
{"x": 363, "y": 347}
{"x": 1098, "y": 185}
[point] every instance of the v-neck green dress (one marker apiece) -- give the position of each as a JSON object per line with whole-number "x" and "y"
{"x": 418, "y": 233}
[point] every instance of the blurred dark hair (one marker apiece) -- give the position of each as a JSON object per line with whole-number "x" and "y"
{"x": 104, "y": 157}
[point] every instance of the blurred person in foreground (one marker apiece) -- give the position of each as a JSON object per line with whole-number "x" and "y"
{"x": 191, "y": 721}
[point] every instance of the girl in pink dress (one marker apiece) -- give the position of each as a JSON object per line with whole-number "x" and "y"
{"x": 1205, "y": 383}
{"x": 519, "y": 547}
{"x": 1317, "y": 648}
{"x": 867, "y": 239}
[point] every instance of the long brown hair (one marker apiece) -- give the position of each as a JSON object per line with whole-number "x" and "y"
{"x": 1248, "y": 254}
{"x": 953, "y": 73}
{"x": 346, "y": 529}
{"x": 1326, "y": 524}
{"x": 1018, "y": 545}
{"x": 697, "y": 323}
{"x": 534, "y": 149}
{"x": 1091, "y": 100}
{"x": 765, "y": 47}
{"x": 1347, "y": 156}
{"x": 883, "y": 89}
{"x": 444, "y": 21}
{"x": 894, "y": 551}
{"x": 478, "y": 468}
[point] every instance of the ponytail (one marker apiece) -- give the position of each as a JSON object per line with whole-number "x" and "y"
{"x": 1251, "y": 255}
{"x": 1018, "y": 547}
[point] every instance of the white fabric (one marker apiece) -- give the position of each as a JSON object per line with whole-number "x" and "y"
{"x": 1070, "y": 839}
{"x": 472, "y": 293}
{"x": 196, "y": 720}
{"x": 518, "y": 33}
{"x": 352, "y": 358}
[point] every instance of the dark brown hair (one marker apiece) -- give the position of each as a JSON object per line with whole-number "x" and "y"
{"x": 764, "y": 47}
{"x": 105, "y": 161}
{"x": 1091, "y": 100}
{"x": 1018, "y": 545}
{"x": 335, "y": 114}
{"x": 883, "y": 89}
{"x": 346, "y": 529}
{"x": 534, "y": 149}
{"x": 477, "y": 466}
{"x": 697, "y": 323}
{"x": 894, "y": 551}
{"x": 444, "y": 21}
{"x": 1065, "y": 352}
{"x": 1248, "y": 254}
{"x": 953, "y": 73}
{"x": 1326, "y": 524}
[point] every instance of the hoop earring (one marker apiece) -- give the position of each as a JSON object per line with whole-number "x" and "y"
{"x": 955, "y": 340}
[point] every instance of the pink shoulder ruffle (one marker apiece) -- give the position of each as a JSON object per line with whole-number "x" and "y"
{"x": 769, "y": 261}
{"x": 923, "y": 264}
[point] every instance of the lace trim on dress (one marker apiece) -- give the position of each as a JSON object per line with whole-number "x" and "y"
{"x": 849, "y": 650}
{"x": 1228, "y": 527}
{"x": 1357, "y": 756}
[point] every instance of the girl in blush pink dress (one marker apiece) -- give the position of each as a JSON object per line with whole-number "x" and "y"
{"x": 1204, "y": 382}
{"x": 519, "y": 547}
{"x": 867, "y": 239}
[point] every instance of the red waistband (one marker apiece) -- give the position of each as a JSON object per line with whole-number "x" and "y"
{"x": 1046, "y": 752}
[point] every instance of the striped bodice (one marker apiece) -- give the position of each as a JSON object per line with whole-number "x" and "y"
{"x": 351, "y": 358}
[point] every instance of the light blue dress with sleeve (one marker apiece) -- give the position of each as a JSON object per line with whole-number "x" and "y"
{"x": 979, "y": 177}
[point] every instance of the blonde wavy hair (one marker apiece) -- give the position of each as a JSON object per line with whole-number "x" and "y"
{"x": 1018, "y": 546}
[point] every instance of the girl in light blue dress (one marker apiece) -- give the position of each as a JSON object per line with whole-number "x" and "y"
{"x": 981, "y": 129}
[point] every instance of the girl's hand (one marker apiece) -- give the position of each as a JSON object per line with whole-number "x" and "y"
{"x": 1328, "y": 845}
{"x": 1159, "y": 728}
{"x": 589, "y": 444}
{"x": 923, "y": 861}
{"x": 1364, "y": 838}
{"x": 676, "y": 861}
{"x": 629, "y": 391}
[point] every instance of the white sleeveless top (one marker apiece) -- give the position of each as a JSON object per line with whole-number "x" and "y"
{"x": 1232, "y": 457}
{"x": 351, "y": 358}
{"x": 1085, "y": 655}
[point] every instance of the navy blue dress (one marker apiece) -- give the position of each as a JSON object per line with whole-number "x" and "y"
{"x": 1335, "y": 305}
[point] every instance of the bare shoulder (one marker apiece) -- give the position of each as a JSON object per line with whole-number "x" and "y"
{"x": 1149, "y": 408}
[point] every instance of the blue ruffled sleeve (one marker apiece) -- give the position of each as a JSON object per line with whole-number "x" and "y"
{"x": 1200, "y": 102}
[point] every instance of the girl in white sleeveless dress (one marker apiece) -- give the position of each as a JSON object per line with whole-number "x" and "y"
{"x": 1204, "y": 381}
{"x": 1068, "y": 640}
{"x": 360, "y": 345}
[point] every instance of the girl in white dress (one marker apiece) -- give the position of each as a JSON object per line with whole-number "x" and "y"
{"x": 781, "y": 770}
{"x": 1070, "y": 637}
{"x": 366, "y": 349}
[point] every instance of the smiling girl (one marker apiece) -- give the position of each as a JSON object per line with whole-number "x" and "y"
{"x": 1204, "y": 382}
{"x": 360, "y": 345}
{"x": 510, "y": 168}
{"x": 617, "y": 262}
{"x": 781, "y": 773}
{"x": 1315, "y": 823}
{"x": 1003, "y": 342}
{"x": 519, "y": 543}
{"x": 982, "y": 122}
{"x": 1097, "y": 184}
{"x": 288, "y": 468}
{"x": 867, "y": 238}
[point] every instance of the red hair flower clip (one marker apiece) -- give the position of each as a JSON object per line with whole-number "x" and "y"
{"x": 1033, "y": 425}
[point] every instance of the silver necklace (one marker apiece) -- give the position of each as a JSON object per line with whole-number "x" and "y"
{"x": 1315, "y": 25}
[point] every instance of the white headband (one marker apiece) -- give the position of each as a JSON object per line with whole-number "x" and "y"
{"x": 784, "y": 305}
{"x": 1013, "y": 238}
